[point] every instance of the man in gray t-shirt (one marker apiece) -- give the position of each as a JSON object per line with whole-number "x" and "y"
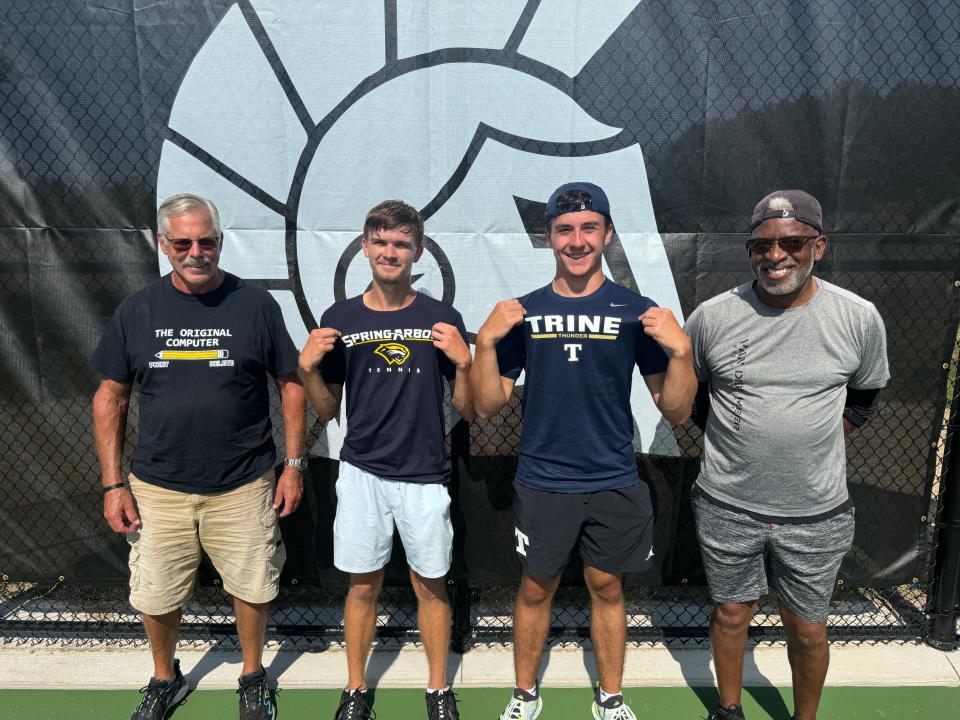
{"x": 788, "y": 364}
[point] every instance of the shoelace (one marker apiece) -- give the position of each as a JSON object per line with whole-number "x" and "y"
{"x": 441, "y": 706}
{"x": 151, "y": 695}
{"x": 254, "y": 698}
{"x": 355, "y": 703}
{"x": 149, "y": 698}
{"x": 621, "y": 713}
{"x": 516, "y": 709}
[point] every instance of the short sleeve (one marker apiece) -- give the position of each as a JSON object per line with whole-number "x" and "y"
{"x": 282, "y": 356}
{"x": 873, "y": 371}
{"x": 694, "y": 328}
{"x": 111, "y": 358}
{"x": 333, "y": 367}
{"x": 648, "y": 355}
{"x": 511, "y": 356}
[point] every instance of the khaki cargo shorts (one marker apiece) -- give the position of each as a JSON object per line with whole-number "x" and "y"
{"x": 237, "y": 529}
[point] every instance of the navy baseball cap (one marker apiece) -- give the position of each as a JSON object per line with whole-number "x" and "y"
{"x": 596, "y": 200}
{"x": 789, "y": 204}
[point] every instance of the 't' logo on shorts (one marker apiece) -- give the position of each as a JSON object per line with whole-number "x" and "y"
{"x": 522, "y": 542}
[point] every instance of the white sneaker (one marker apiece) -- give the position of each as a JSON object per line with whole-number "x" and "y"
{"x": 522, "y": 706}
{"x": 614, "y": 709}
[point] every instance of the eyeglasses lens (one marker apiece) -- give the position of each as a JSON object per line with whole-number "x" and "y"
{"x": 206, "y": 244}
{"x": 761, "y": 246}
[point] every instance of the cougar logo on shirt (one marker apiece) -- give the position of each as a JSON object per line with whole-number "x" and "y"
{"x": 393, "y": 353}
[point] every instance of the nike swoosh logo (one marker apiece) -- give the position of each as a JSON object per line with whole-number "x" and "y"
{"x": 616, "y": 305}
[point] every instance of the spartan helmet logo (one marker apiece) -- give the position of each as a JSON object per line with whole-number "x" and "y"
{"x": 393, "y": 353}
{"x": 297, "y": 118}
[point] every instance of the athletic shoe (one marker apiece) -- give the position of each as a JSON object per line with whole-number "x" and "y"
{"x": 522, "y": 706}
{"x": 734, "y": 712}
{"x": 160, "y": 697}
{"x": 256, "y": 702}
{"x": 442, "y": 705}
{"x": 353, "y": 706}
{"x": 613, "y": 708}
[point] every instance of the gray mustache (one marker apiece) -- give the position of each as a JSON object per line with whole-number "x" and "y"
{"x": 195, "y": 262}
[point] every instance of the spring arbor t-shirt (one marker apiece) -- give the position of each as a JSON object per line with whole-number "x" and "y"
{"x": 202, "y": 363}
{"x": 394, "y": 387}
{"x": 579, "y": 354}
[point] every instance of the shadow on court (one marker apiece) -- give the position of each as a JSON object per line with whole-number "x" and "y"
{"x": 698, "y": 674}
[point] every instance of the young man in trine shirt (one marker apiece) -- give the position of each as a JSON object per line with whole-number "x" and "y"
{"x": 578, "y": 340}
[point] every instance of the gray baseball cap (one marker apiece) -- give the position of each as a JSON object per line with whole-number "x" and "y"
{"x": 789, "y": 204}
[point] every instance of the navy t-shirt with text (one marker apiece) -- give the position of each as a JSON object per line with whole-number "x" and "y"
{"x": 394, "y": 387}
{"x": 578, "y": 354}
{"x": 202, "y": 363}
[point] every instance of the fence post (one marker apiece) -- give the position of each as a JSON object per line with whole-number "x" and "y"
{"x": 459, "y": 582}
{"x": 945, "y": 589}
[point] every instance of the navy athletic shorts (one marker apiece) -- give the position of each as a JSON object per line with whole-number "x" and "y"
{"x": 613, "y": 529}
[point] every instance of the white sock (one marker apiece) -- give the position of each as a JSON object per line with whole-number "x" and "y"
{"x": 443, "y": 690}
{"x": 604, "y": 695}
{"x": 532, "y": 691}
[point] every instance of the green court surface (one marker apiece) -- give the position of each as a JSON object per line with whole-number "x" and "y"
{"x": 846, "y": 703}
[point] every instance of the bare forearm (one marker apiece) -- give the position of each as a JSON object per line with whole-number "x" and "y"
{"x": 679, "y": 389}
{"x": 326, "y": 403}
{"x": 463, "y": 394}
{"x": 293, "y": 399}
{"x": 109, "y": 430}
{"x": 488, "y": 395}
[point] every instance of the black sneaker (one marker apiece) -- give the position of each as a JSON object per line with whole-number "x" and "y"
{"x": 161, "y": 697}
{"x": 734, "y": 712}
{"x": 442, "y": 705}
{"x": 256, "y": 701}
{"x": 354, "y": 705}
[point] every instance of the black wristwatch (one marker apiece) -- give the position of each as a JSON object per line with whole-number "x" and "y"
{"x": 299, "y": 463}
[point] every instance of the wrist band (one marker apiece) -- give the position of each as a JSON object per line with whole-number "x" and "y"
{"x": 115, "y": 486}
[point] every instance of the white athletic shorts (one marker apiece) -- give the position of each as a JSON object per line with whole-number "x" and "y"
{"x": 367, "y": 509}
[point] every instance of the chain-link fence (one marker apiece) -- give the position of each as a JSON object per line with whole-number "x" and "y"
{"x": 727, "y": 100}
{"x": 896, "y": 464}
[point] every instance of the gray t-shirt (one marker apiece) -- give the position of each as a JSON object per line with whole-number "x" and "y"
{"x": 774, "y": 437}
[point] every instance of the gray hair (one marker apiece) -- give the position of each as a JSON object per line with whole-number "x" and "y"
{"x": 185, "y": 202}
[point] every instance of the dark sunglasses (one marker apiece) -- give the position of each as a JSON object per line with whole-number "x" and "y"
{"x": 206, "y": 244}
{"x": 793, "y": 244}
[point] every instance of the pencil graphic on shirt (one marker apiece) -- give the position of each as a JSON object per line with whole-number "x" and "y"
{"x": 192, "y": 354}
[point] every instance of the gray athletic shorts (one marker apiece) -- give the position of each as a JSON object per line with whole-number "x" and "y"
{"x": 803, "y": 560}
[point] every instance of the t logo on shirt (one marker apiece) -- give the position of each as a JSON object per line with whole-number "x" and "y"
{"x": 573, "y": 351}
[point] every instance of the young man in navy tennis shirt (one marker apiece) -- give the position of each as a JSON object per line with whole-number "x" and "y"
{"x": 578, "y": 339}
{"x": 392, "y": 347}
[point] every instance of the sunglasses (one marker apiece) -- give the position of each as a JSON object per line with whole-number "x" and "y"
{"x": 206, "y": 244}
{"x": 792, "y": 244}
